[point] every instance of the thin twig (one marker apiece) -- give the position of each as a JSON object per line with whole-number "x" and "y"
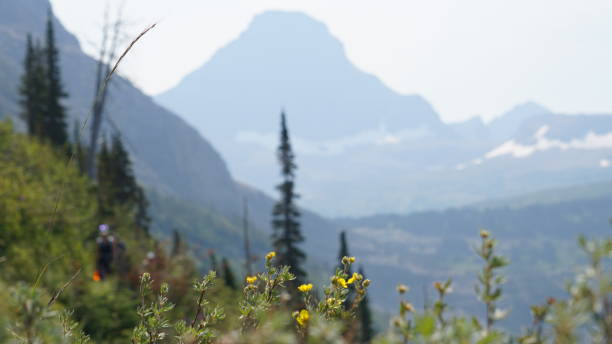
{"x": 199, "y": 310}
{"x": 100, "y": 92}
{"x": 127, "y": 50}
{"x": 43, "y": 270}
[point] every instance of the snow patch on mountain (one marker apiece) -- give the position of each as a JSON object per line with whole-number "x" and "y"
{"x": 518, "y": 150}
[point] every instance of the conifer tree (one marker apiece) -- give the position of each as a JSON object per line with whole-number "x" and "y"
{"x": 343, "y": 251}
{"x": 32, "y": 89}
{"x": 228, "y": 274}
{"x": 213, "y": 261}
{"x": 177, "y": 244}
{"x": 117, "y": 184}
{"x": 105, "y": 182}
{"x": 366, "y": 330}
{"x": 125, "y": 189}
{"x": 78, "y": 150}
{"x": 286, "y": 235}
{"x": 54, "y": 118}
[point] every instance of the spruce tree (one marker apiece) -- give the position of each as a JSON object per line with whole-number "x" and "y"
{"x": 78, "y": 150}
{"x": 177, "y": 244}
{"x": 105, "y": 183}
{"x": 228, "y": 274}
{"x": 142, "y": 219}
{"x": 213, "y": 261}
{"x": 117, "y": 184}
{"x": 343, "y": 251}
{"x": 366, "y": 330}
{"x": 286, "y": 234}
{"x": 32, "y": 89}
{"x": 54, "y": 118}
{"x": 125, "y": 189}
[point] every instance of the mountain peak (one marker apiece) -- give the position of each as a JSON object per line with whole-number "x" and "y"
{"x": 526, "y": 109}
{"x": 280, "y": 43}
{"x": 506, "y": 125}
{"x": 289, "y": 20}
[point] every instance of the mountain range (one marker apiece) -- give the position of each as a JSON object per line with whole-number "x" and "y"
{"x": 363, "y": 148}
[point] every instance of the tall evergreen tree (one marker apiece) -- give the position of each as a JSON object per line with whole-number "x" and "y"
{"x": 77, "y": 149}
{"x": 125, "y": 189}
{"x": 177, "y": 244}
{"x": 54, "y": 119}
{"x": 142, "y": 218}
{"x": 364, "y": 313}
{"x": 287, "y": 235}
{"x": 213, "y": 261}
{"x": 117, "y": 184}
{"x": 228, "y": 274}
{"x": 32, "y": 89}
{"x": 343, "y": 251}
{"x": 104, "y": 175}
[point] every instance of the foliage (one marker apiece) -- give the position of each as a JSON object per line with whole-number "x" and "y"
{"x": 584, "y": 317}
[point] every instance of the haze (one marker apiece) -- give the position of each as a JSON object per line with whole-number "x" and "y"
{"x": 474, "y": 57}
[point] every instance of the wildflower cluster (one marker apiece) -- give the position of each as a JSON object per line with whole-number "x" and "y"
{"x": 336, "y": 294}
{"x": 262, "y": 292}
{"x": 154, "y": 326}
{"x": 586, "y": 316}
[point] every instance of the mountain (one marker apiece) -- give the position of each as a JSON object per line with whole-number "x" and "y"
{"x": 506, "y": 125}
{"x": 335, "y": 111}
{"x": 361, "y": 147}
{"x": 169, "y": 155}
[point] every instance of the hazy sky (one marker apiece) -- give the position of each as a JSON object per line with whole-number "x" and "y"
{"x": 466, "y": 57}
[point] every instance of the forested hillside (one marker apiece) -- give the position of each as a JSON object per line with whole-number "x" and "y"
{"x": 537, "y": 233}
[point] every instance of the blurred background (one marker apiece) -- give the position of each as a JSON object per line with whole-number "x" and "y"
{"x": 414, "y": 125}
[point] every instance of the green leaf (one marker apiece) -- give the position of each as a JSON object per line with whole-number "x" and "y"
{"x": 425, "y": 325}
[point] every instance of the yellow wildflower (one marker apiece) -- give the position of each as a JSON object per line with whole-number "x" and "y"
{"x": 342, "y": 282}
{"x": 270, "y": 255}
{"x": 484, "y": 233}
{"x": 251, "y": 279}
{"x": 402, "y": 288}
{"x": 302, "y": 318}
{"x": 351, "y": 259}
{"x": 304, "y": 288}
{"x": 366, "y": 283}
{"x": 355, "y": 277}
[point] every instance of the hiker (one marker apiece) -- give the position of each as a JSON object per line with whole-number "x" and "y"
{"x": 105, "y": 252}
